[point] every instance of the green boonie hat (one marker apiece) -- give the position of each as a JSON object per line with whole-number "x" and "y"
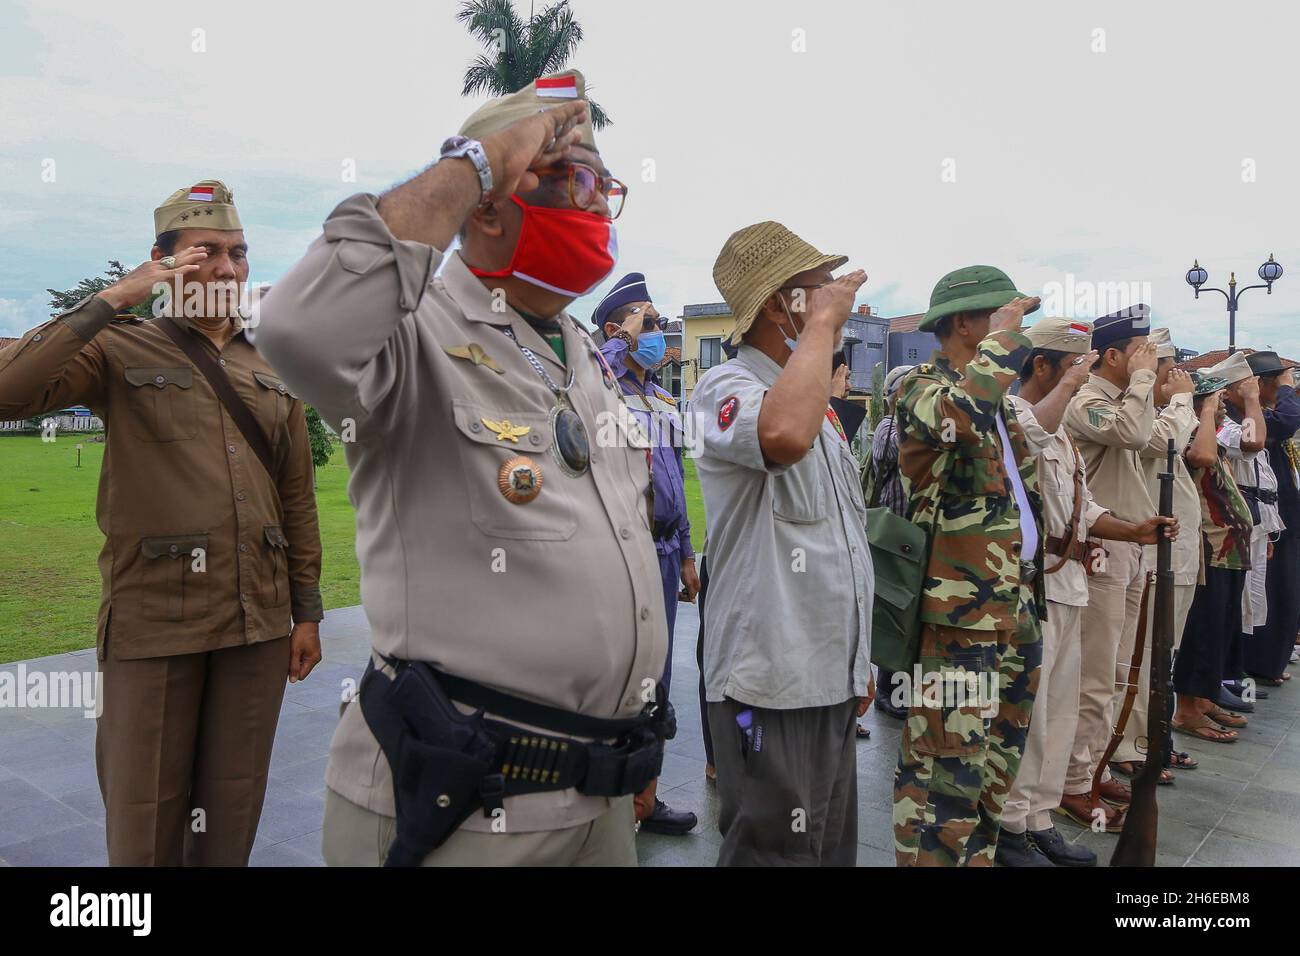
{"x": 1207, "y": 384}
{"x": 969, "y": 290}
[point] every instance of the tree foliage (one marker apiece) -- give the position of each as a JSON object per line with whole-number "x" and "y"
{"x": 321, "y": 445}
{"x": 518, "y": 50}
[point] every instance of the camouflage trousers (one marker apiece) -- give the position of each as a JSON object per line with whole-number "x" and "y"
{"x": 972, "y": 693}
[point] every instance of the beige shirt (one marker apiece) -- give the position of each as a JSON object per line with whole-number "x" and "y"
{"x": 1177, "y": 420}
{"x": 1110, "y": 427}
{"x": 788, "y": 619}
{"x": 557, "y": 599}
{"x": 1057, "y": 463}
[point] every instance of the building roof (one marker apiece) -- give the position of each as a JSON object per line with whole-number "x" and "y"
{"x": 906, "y": 323}
{"x": 6, "y": 341}
{"x": 705, "y": 308}
{"x": 1206, "y": 359}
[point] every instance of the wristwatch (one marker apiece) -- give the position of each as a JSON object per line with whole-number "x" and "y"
{"x": 457, "y": 147}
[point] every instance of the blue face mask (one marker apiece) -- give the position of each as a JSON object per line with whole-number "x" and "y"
{"x": 649, "y": 349}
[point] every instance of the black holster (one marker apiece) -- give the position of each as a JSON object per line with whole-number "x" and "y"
{"x": 446, "y": 764}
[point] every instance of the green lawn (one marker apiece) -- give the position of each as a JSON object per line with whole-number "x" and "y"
{"x": 49, "y": 543}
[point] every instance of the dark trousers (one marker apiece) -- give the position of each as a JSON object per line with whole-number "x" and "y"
{"x": 699, "y": 660}
{"x": 1215, "y": 618}
{"x": 182, "y": 748}
{"x": 789, "y": 789}
{"x": 1269, "y": 651}
{"x": 670, "y": 570}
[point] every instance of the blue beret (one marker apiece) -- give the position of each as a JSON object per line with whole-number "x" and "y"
{"x": 630, "y": 288}
{"x": 1127, "y": 322}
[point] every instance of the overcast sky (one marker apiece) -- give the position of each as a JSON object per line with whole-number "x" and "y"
{"x": 1105, "y": 146}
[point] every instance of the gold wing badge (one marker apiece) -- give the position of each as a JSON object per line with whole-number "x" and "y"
{"x": 506, "y": 431}
{"x": 475, "y": 354}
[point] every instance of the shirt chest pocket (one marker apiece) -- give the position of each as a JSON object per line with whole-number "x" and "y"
{"x": 160, "y": 402}
{"x": 514, "y": 487}
{"x": 273, "y": 403}
{"x": 978, "y": 472}
{"x": 1055, "y": 472}
{"x": 799, "y": 494}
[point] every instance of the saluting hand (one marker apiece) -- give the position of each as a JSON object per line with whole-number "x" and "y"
{"x": 1143, "y": 357}
{"x": 304, "y": 650}
{"x": 1178, "y": 383}
{"x": 540, "y": 140}
{"x": 137, "y": 285}
{"x": 1078, "y": 371}
{"x": 832, "y": 302}
{"x": 1011, "y": 316}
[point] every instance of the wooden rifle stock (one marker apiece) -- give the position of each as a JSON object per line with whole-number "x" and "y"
{"x": 1137, "y": 842}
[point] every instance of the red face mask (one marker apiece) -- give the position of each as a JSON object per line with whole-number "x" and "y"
{"x": 568, "y": 251}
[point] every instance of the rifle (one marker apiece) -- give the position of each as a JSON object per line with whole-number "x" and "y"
{"x": 1137, "y": 842}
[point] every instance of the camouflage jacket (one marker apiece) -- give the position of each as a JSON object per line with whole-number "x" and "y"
{"x": 958, "y": 489}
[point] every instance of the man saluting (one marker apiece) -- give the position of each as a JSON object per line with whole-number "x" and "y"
{"x": 212, "y": 550}
{"x": 484, "y": 514}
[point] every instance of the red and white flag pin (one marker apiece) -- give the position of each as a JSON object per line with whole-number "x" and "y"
{"x": 200, "y": 194}
{"x": 1079, "y": 328}
{"x": 560, "y": 87}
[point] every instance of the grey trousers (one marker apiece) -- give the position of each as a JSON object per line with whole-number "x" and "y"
{"x": 789, "y": 790}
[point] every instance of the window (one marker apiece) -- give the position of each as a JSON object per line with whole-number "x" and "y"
{"x": 710, "y": 352}
{"x": 911, "y": 355}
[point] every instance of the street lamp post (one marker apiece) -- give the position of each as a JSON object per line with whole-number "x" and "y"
{"x": 1270, "y": 272}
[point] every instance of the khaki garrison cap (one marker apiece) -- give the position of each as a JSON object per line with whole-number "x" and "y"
{"x": 1163, "y": 343}
{"x": 755, "y": 262}
{"x": 206, "y": 205}
{"x": 544, "y": 93}
{"x": 1061, "y": 335}
{"x": 1232, "y": 370}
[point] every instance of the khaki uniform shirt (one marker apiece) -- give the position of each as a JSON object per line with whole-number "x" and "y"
{"x": 557, "y": 599}
{"x": 203, "y": 549}
{"x": 1110, "y": 427}
{"x": 1057, "y": 463}
{"x": 788, "y": 617}
{"x": 1177, "y": 420}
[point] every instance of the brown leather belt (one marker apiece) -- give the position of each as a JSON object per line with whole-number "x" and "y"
{"x": 1063, "y": 547}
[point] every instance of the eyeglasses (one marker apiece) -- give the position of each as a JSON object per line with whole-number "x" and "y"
{"x": 585, "y": 184}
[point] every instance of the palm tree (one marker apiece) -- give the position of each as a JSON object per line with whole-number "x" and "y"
{"x": 520, "y": 51}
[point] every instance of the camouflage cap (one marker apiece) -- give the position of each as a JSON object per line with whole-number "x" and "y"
{"x": 1163, "y": 343}
{"x": 208, "y": 204}
{"x": 1232, "y": 370}
{"x": 972, "y": 289}
{"x": 543, "y": 93}
{"x": 1206, "y": 384}
{"x": 755, "y": 262}
{"x": 1061, "y": 335}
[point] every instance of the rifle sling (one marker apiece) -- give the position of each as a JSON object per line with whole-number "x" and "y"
{"x": 1130, "y": 690}
{"x": 1071, "y": 535}
{"x": 226, "y": 394}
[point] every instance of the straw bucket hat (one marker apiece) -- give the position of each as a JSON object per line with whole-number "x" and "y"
{"x": 755, "y": 262}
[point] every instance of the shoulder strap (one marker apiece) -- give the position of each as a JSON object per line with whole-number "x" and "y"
{"x": 1072, "y": 529}
{"x": 239, "y": 412}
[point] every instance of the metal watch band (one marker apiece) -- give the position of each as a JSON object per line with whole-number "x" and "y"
{"x": 462, "y": 146}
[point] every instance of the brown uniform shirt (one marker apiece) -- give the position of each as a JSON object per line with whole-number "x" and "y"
{"x": 178, "y": 476}
{"x": 557, "y": 599}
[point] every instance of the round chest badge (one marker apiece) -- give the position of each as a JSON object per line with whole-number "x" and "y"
{"x": 520, "y": 480}
{"x": 727, "y": 412}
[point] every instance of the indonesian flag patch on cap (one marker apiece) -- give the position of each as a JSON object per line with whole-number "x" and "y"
{"x": 1079, "y": 329}
{"x": 200, "y": 194}
{"x": 562, "y": 87}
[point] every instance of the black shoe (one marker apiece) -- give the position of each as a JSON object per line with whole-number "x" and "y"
{"x": 668, "y": 821}
{"x": 1231, "y": 701}
{"x": 1257, "y": 689}
{"x": 885, "y": 707}
{"x": 1052, "y": 845}
{"x": 1014, "y": 849}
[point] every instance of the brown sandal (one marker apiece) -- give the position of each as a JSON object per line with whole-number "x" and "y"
{"x": 1205, "y": 730}
{"x": 1226, "y": 718}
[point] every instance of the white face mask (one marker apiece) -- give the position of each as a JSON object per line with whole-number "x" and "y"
{"x": 790, "y": 343}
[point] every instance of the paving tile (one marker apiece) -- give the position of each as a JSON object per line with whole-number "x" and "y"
{"x": 79, "y": 845}
{"x": 290, "y": 813}
{"x": 1222, "y": 848}
{"x": 29, "y": 814}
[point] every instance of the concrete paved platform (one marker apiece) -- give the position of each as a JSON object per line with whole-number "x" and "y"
{"x": 1241, "y": 807}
